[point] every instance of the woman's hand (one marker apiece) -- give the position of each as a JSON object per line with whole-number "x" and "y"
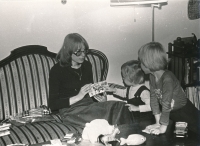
{"x": 132, "y": 108}
{"x": 84, "y": 90}
{"x": 101, "y": 98}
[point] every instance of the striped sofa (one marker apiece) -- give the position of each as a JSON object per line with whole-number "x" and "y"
{"x": 24, "y": 85}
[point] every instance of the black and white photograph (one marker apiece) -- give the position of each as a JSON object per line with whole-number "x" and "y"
{"x": 100, "y": 73}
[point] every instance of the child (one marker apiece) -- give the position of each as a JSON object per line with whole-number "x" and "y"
{"x": 136, "y": 93}
{"x": 167, "y": 98}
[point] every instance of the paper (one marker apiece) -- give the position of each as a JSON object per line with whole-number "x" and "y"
{"x": 98, "y": 88}
{"x": 56, "y": 142}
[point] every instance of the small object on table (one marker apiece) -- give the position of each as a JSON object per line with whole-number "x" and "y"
{"x": 133, "y": 139}
{"x": 4, "y": 129}
{"x": 71, "y": 138}
{"x": 181, "y": 129}
{"x": 68, "y": 135}
{"x": 56, "y": 142}
{"x": 105, "y": 139}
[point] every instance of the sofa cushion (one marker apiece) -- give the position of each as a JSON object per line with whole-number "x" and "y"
{"x": 38, "y": 132}
{"x": 24, "y": 79}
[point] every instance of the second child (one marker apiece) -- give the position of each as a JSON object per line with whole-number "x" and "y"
{"x": 136, "y": 93}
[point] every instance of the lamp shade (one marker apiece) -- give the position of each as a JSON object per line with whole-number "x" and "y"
{"x": 135, "y": 2}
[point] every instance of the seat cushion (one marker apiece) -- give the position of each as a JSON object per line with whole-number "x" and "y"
{"x": 37, "y": 132}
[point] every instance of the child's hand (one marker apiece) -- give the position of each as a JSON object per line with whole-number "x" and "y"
{"x": 160, "y": 130}
{"x": 153, "y": 126}
{"x": 132, "y": 108}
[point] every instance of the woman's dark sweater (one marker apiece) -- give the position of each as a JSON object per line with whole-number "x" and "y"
{"x": 66, "y": 82}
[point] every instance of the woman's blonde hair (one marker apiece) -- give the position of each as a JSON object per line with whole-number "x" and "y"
{"x": 133, "y": 71}
{"x": 71, "y": 44}
{"x": 153, "y": 56}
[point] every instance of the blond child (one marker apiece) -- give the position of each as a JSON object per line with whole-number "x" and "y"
{"x": 136, "y": 93}
{"x": 167, "y": 98}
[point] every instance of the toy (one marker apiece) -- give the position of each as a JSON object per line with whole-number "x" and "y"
{"x": 133, "y": 139}
{"x": 181, "y": 129}
{"x": 98, "y": 88}
{"x": 105, "y": 139}
{"x": 96, "y": 128}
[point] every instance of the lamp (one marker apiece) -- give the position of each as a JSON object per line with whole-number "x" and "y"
{"x": 153, "y": 3}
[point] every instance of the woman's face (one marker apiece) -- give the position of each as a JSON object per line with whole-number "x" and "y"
{"x": 79, "y": 56}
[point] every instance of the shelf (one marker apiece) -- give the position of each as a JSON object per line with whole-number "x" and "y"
{"x": 193, "y": 55}
{"x": 195, "y": 83}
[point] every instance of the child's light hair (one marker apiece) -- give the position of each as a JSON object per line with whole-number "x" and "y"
{"x": 153, "y": 56}
{"x": 133, "y": 71}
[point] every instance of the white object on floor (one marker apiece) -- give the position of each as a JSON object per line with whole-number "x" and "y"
{"x": 95, "y": 128}
{"x": 133, "y": 139}
{"x": 56, "y": 142}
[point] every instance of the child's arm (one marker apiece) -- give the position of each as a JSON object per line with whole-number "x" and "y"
{"x": 157, "y": 124}
{"x": 110, "y": 89}
{"x": 145, "y": 97}
{"x": 132, "y": 108}
{"x": 157, "y": 118}
{"x": 167, "y": 94}
{"x": 119, "y": 92}
{"x": 163, "y": 118}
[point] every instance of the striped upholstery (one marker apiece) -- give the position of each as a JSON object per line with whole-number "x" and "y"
{"x": 24, "y": 85}
{"x": 24, "y": 79}
{"x": 37, "y": 132}
{"x": 99, "y": 64}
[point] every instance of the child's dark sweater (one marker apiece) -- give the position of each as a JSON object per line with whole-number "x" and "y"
{"x": 167, "y": 93}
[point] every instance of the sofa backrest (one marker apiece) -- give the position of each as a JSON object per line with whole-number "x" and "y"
{"x": 24, "y": 77}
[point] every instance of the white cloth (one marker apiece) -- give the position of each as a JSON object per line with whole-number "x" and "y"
{"x": 95, "y": 128}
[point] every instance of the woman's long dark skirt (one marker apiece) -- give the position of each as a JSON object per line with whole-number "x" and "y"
{"x": 87, "y": 110}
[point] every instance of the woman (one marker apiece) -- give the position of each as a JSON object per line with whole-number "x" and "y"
{"x": 69, "y": 83}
